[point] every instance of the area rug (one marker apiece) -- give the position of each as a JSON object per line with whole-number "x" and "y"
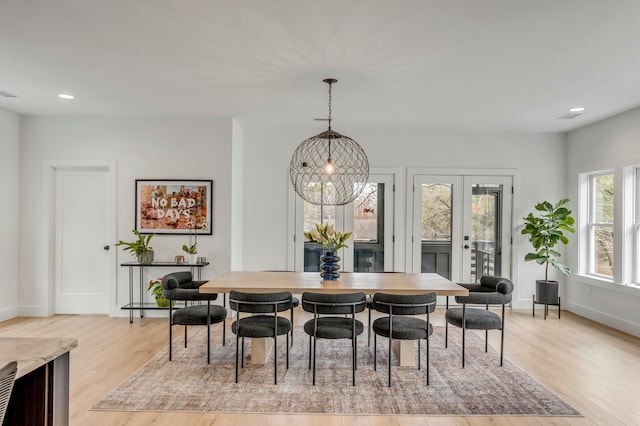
{"x": 188, "y": 384}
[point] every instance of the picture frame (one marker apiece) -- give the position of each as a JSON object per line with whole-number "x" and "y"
{"x": 174, "y": 206}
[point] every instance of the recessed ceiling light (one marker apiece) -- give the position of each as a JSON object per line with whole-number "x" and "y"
{"x": 576, "y": 109}
{"x": 66, "y": 96}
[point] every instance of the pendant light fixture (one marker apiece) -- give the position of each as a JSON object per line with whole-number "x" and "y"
{"x": 329, "y": 169}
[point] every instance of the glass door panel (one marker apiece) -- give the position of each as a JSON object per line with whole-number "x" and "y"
{"x": 436, "y": 225}
{"x": 372, "y": 215}
{"x": 368, "y": 229}
{"x": 312, "y": 215}
{"x": 487, "y": 227}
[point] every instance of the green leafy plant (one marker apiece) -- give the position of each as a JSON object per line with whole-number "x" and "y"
{"x": 191, "y": 248}
{"x": 139, "y": 246}
{"x": 155, "y": 287}
{"x": 545, "y": 231}
{"x": 327, "y": 237}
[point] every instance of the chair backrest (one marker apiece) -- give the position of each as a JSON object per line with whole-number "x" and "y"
{"x": 7, "y": 378}
{"x": 334, "y": 304}
{"x": 499, "y": 284}
{"x": 260, "y": 303}
{"x": 404, "y": 304}
{"x": 174, "y": 279}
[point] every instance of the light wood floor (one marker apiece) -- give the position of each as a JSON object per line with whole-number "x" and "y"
{"x": 594, "y": 368}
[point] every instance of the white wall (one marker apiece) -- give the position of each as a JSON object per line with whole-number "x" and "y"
{"x": 610, "y": 144}
{"x": 538, "y": 159}
{"x": 237, "y": 197}
{"x": 142, "y": 148}
{"x": 9, "y": 241}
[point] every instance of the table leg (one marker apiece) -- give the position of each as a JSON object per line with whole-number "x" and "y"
{"x": 405, "y": 352}
{"x": 260, "y": 349}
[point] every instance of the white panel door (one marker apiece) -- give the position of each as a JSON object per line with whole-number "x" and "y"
{"x": 81, "y": 241}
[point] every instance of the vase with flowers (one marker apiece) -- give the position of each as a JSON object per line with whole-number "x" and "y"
{"x": 155, "y": 288}
{"x": 331, "y": 241}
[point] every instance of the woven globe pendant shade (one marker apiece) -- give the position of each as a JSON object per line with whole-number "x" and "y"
{"x": 329, "y": 168}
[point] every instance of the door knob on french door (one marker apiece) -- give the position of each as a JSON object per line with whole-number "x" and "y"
{"x": 466, "y": 246}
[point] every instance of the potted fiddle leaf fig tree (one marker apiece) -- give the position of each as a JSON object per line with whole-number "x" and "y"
{"x": 140, "y": 248}
{"x": 545, "y": 230}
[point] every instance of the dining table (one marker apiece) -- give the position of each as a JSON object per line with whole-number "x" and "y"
{"x": 348, "y": 282}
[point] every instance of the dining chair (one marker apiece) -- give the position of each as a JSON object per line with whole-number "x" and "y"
{"x": 334, "y": 317}
{"x": 401, "y": 322}
{"x": 295, "y": 302}
{"x": 492, "y": 290}
{"x": 179, "y": 286}
{"x": 264, "y": 321}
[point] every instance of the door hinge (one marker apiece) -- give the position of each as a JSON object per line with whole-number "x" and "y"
{"x": 512, "y": 189}
{"x": 393, "y": 187}
{"x": 393, "y": 239}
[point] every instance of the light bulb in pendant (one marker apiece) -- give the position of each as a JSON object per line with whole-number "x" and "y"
{"x": 328, "y": 167}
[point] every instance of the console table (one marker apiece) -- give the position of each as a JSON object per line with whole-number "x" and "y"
{"x": 41, "y": 391}
{"x": 196, "y": 269}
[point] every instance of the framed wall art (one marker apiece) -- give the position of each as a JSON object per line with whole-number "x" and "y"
{"x": 174, "y": 206}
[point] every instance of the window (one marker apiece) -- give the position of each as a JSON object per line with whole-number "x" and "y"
{"x": 600, "y": 224}
{"x": 636, "y": 225}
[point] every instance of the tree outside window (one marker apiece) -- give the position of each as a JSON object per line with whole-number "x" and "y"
{"x": 601, "y": 223}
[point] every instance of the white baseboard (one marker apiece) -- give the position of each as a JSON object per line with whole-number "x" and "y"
{"x": 8, "y": 313}
{"x": 32, "y": 311}
{"x": 605, "y": 318}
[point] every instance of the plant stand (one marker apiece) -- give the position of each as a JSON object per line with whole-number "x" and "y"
{"x": 546, "y": 306}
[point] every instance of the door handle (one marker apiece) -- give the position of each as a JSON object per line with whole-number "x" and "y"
{"x": 466, "y": 246}
{"x": 106, "y": 247}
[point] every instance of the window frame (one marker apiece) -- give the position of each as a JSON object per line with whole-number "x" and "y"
{"x": 592, "y": 224}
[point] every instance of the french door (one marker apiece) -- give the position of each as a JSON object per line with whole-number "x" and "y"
{"x": 369, "y": 217}
{"x": 461, "y": 226}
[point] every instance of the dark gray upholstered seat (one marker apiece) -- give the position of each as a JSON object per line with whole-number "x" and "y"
{"x": 401, "y": 322}
{"x": 476, "y": 319}
{"x": 180, "y": 286}
{"x": 334, "y": 317}
{"x": 264, "y": 322}
{"x": 492, "y": 290}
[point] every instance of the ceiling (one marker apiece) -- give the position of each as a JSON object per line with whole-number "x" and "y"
{"x": 491, "y": 65}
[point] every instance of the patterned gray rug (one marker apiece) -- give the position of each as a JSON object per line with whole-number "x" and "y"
{"x": 188, "y": 384}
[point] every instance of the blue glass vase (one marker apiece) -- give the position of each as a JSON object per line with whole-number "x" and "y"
{"x": 329, "y": 267}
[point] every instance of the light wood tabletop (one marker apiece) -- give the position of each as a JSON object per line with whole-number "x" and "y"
{"x": 299, "y": 282}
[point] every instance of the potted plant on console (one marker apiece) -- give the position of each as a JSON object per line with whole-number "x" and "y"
{"x": 192, "y": 247}
{"x": 139, "y": 248}
{"x": 155, "y": 287}
{"x": 545, "y": 231}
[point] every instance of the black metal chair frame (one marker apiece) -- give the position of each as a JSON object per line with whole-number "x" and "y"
{"x": 390, "y": 316}
{"x": 354, "y": 338}
{"x": 486, "y": 331}
{"x": 171, "y": 324}
{"x": 238, "y": 304}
